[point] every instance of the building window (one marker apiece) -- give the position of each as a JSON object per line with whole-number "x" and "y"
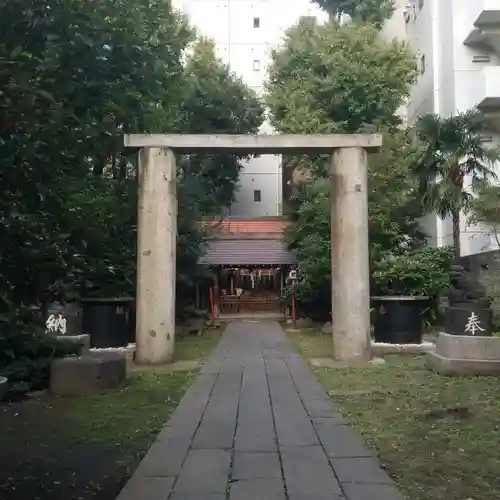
{"x": 422, "y": 65}
{"x": 257, "y": 195}
{"x": 256, "y": 22}
{"x": 256, "y": 65}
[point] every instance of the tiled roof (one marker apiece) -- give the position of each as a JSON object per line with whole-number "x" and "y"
{"x": 250, "y": 252}
{"x": 263, "y": 225}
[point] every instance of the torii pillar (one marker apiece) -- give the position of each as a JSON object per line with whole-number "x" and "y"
{"x": 157, "y": 232}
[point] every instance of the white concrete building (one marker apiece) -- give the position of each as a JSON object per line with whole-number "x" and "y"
{"x": 245, "y": 33}
{"x": 457, "y": 43}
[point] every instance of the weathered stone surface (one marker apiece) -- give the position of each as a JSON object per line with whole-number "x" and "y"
{"x": 83, "y": 375}
{"x": 261, "y": 489}
{"x": 465, "y": 367}
{"x": 256, "y": 466}
{"x": 256, "y": 396}
{"x": 466, "y": 347}
{"x": 307, "y": 471}
{"x": 204, "y": 471}
{"x": 465, "y": 355}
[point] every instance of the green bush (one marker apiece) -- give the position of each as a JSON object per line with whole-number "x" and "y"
{"x": 422, "y": 273}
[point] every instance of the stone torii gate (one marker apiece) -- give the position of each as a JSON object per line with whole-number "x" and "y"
{"x": 157, "y": 232}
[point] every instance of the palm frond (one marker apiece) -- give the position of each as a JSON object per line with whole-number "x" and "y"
{"x": 450, "y": 150}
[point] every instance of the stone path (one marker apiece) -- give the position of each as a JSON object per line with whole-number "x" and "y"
{"x": 257, "y": 425}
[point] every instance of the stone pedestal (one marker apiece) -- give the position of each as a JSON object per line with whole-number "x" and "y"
{"x": 88, "y": 374}
{"x": 465, "y": 355}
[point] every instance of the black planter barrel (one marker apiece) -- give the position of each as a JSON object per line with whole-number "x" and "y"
{"x": 131, "y": 321}
{"x": 398, "y": 320}
{"x": 107, "y": 321}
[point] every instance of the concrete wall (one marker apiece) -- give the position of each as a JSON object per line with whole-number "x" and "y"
{"x": 452, "y": 82}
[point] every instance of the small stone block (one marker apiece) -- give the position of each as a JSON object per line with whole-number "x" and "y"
{"x": 256, "y": 466}
{"x": 84, "y": 375}
{"x": 81, "y": 340}
{"x": 359, "y": 470}
{"x": 463, "y": 367}
{"x": 147, "y": 488}
{"x": 257, "y": 489}
{"x": 356, "y": 491}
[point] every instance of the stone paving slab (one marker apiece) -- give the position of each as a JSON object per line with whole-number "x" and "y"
{"x": 257, "y": 425}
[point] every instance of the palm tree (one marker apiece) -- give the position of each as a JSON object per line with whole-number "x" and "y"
{"x": 451, "y": 150}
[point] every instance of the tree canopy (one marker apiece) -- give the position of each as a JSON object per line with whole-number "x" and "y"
{"x": 75, "y": 76}
{"x": 365, "y": 11}
{"x": 336, "y": 78}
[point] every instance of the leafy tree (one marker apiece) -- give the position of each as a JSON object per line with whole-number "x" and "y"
{"x": 75, "y": 76}
{"x": 452, "y": 163}
{"x": 214, "y": 100}
{"x": 333, "y": 79}
{"x": 365, "y": 11}
{"x": 393, "y": 220}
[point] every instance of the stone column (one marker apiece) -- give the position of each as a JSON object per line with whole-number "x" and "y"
{"x": 156, "y": 256}
{"x": 350, "y": 256}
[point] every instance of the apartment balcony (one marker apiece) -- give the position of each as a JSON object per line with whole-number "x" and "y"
{"x": 485, "y": 30}
{"x": 487, "y": 89}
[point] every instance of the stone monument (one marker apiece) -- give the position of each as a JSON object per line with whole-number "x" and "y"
{"x": 467, "y": 346}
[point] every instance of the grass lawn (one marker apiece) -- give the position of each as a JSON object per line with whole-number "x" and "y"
{"x": 432, "y": 455}
{"x": 85, "y": 448}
